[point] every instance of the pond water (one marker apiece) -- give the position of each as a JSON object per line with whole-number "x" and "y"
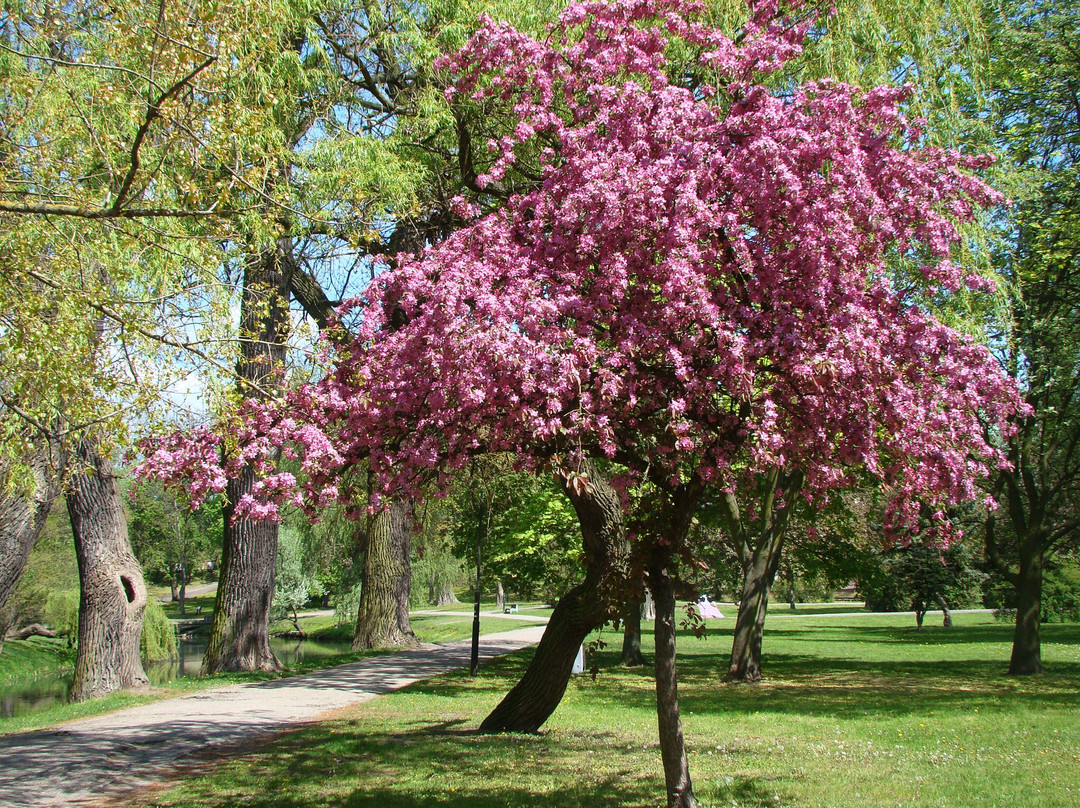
{"x": 34, "y": 695}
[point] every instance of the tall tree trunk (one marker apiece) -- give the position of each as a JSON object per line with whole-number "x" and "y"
{"x": 745, "y": 664}
{"x": 240, "y": 632}
{"x": 581, "y": 610}
{"x": 680, "y": 791}
{"x": 383, "y": 618}
{"x": 500, "y": 595}
{"x": 24, "y": 507}
{"x": 113, "y": 595}
{"x": 631, "y": 642}
{"x": 1026, "y": 650}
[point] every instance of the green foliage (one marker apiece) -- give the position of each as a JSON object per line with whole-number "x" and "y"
{"x": 1060, "y": 595}
{"x": 48, "y": 591}
{"x": 169, "y": 540}
{"x": 919, "y": 578}
{"x": 158, "y": 639}
{"x": 532, "y": 539}
{"x": 295, "y": 582}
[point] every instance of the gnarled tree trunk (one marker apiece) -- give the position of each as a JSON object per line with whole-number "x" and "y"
{"x": 113, "y": 595}
{"x": 24, "y": 507}
{"x": 581, "y": 610}
{"x": 240, "y": 632}
{"x": 383, "y": 619}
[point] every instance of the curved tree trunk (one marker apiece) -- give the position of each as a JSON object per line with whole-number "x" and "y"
{"x": 23, "y": 511}
{"x": 240, "y": 632}
{"x": 581, "y": 610}
{"x": 760, "y": 557}
{"x": 946, "y": 612}
{"x": 383, "y": 619}
{"x": 113, "y": 595}
{"x": 500, "y": 595}
{"x": 745, "y": 664}
{"x": 1026, "y": 656}
{"x": 631, "y": 642}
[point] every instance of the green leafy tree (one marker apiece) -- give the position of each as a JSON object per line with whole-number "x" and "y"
{"x": 1035, "y": 74}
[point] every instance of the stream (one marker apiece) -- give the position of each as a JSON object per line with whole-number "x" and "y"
{"x": 34, "y": 695}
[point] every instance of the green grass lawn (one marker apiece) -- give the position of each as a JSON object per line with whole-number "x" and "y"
{"x": 855, "y": 712}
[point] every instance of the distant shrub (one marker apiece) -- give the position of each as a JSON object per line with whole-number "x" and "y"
{"x": 158, "y": 634}
{"x": 61, "y": 613}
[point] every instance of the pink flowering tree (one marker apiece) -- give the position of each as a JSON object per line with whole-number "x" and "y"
{"x": 697, "y": 288}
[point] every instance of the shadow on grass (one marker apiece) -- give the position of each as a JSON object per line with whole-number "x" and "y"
{"x": 428, "y": 764}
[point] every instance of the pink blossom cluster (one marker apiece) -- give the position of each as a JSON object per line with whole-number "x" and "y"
{"x": 698, "y": 285}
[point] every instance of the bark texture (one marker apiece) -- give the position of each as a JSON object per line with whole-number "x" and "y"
{"x": 240, "y": 632}
{"x": 759, "y": 547}
{"x": 758, "y": 576}
{"x": 383, "y": 619}
{"x": 113, "y": 596}
{"x": 680, "y": 791}
{"x": 24, "y": 507}
{"x": 631, "y": 644}
{"x": 1026, "y": 658}
{"x": 581, "y": 610}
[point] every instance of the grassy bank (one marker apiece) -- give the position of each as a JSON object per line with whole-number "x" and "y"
{"x": 22, "y": 663}
{"x": 22, "y": 660}
{"x": 863, "y": 711}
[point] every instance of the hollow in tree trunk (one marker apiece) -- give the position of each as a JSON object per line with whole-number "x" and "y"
{"x": 680, "y": 791}
{"x": 631, "y": 643}
{"x": 383, "y": 618}
{"x": 24, "y": 507}
{"x": 584, "y": 608}
{"x": 240, "y": 631}
{"x": 113, "y": 596}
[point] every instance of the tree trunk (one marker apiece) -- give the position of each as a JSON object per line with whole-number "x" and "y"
{"x": 240, "y": 632}
{"x": 1026, "y": 650}
{"x": 113, "y": 595}
{"x": 920, "y": 613}
{"x": 583, "y": 609}
{"x": 24, "y": 507}
{"x": 631, "y": 641}
{"x": 680, "y": 792}
{"x": 745, "y": 665}
{"x": 500, "y": 595}
{"x": 760, "y": 563}
{"x": 383, "y": 618}
{"x": 446, "y": 595}
{"x": 946, "y": 621}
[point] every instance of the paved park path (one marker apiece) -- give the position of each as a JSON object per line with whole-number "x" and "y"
{"x": 84, "y": 761}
